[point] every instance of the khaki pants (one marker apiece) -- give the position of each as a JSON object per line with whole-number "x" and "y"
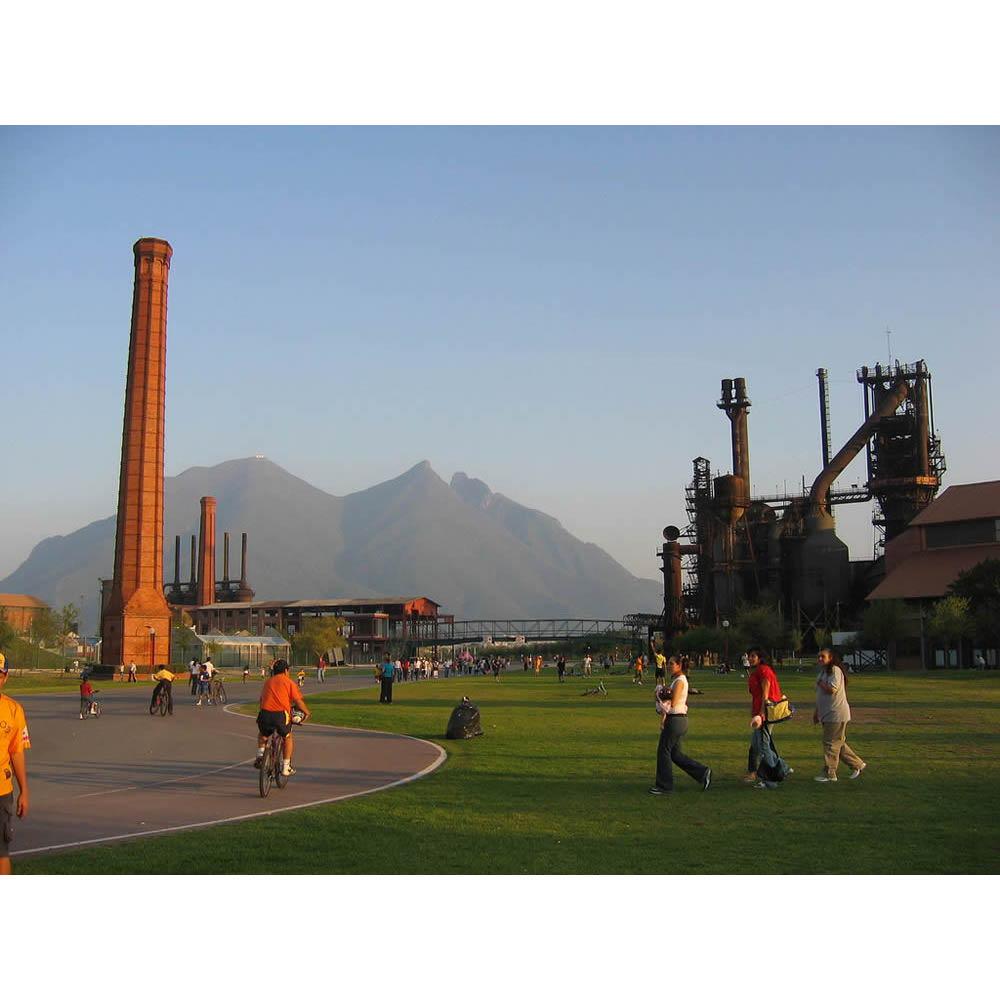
{"x": 836, "y": 749}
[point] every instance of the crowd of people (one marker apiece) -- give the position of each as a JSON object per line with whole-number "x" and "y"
{"x": 281, "y": 699}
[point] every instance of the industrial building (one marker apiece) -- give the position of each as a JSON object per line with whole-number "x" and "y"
{"x": 783, "y": 548}
{"x": 373, "y": 623}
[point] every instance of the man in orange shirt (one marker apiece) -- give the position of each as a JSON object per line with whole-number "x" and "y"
{"x": 14, "y": 741}
{"x": 277, "y": 697}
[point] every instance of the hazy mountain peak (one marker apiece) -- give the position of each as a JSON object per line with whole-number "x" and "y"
{"x": 472, "y": 491}
{"x": 477, "y": 552}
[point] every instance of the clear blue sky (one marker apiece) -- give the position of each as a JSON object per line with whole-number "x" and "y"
{"x": 550, "y": 310}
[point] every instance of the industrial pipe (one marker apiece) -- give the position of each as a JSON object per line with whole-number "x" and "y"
{"x": 923, "y": 421}
{"x": 225, "y": 557}
{"x": 819, "y": 509}
{"x": 194, "y": 562}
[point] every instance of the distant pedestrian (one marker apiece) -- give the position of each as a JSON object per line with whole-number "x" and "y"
{"x": 672, "y": 705}
{"x": 246, "y": 674}
{"x": 301, "y": 677}
{"x": 660, "y": 671}
{"x": 132, "y": 679}
{"x": 121, "y": 672}
{"x": 833, "y": 712}
{"x": 321, "y": 670}
{"x": 637, "y": 674}
{"x": 588, "y": 665}
{"x": 193, "y": 670}
{"x": 385, "y": 677}
{"x": 561, "y": 668}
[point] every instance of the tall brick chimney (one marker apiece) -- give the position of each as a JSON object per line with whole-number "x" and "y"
{"x": 136, "y": 621}
{"x": 206, "y": 553}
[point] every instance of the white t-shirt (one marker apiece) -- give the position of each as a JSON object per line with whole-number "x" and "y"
{"x": 679, "y": 696}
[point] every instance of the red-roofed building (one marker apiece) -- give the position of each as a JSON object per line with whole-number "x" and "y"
{"x": 20, "y": 610}
{"x": 959, "y": 530}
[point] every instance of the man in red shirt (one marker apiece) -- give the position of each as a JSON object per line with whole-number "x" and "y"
{"x": 764, "y": 687}
{"x": 277, "y": 697}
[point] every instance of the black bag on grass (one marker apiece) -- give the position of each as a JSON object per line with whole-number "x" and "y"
{"x": 464, "y": 722}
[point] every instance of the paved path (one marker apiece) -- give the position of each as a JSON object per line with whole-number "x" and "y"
{"x": 128, "y": 774}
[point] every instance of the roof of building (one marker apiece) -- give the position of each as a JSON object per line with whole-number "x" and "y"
{"x": 21, "y": 601}
{"x": 966, "y": 502}
{"x": 929, "y": 573}
{"x": 323, "y": 602}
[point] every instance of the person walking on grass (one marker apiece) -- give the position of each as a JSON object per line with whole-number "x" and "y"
{"x": 672, "y": 706}
{"x": 561, "y": 667}
{"x": 764, "y": 687}
{"x": 833, "y": 713}
{"x": 132, "y": 679}
{"x": 637, "y": 676}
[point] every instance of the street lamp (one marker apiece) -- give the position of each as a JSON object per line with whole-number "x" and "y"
{"x": 152, "y": 647}
{"x": 725, "y": 632}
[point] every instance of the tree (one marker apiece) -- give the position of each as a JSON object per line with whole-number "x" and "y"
{"x": 7, "y": 632}
{"x": 951, "y": 622}
{"x": 761, "y": 626}
{"x": 45, "y": 627}
{"x": 822, "y": 637}
{"x": 883, "y": 624}
{"x": 319, "y": 636}
{"x": 67, "y": 624}
{"x": 980, "y": 586}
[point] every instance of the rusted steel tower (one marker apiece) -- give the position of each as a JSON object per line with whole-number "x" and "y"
{"x": 135, "y": 622}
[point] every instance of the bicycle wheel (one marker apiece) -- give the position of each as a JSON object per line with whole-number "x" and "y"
{"x": 163, "y": 703}
{"x": 280, "y": 778}
{"x": 222, "y": 695}
{"x": 153, "y": 705}
{"x": 97, "y": 709}
{"x": 264, "y": 774}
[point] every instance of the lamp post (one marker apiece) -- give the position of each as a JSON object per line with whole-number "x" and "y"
{"x": 152, "y": 647}
{"x": 725, "y": 633}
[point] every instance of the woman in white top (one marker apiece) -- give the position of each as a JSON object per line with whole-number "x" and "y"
{"x": 671, "y": 703}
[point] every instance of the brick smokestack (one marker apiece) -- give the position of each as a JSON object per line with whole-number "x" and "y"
{"x": 206, "y": 553}
{"x": 136, "y": 622}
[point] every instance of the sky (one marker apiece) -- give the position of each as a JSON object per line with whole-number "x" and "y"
{"x": 549, "y": 310}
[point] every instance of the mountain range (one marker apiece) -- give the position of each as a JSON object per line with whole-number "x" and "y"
{"x": 477, "y": 553}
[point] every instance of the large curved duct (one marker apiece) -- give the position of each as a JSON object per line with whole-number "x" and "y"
{"x": 819, "y": 509}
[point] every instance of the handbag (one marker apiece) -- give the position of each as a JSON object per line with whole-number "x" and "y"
{"x": 778, "y": 711}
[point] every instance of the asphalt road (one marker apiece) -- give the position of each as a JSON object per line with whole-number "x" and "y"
{"x": 129, "y": 774}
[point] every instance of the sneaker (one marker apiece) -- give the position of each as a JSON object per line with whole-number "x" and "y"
{"x": 856, "y": 773}
{"x": 257, "y": 762}
{"x": 824, "y": 777}
{"x": 81, "y": 715}
{"x": 707, "y": 781}
{"x": 769, "y": 785}
{"x": 656, "y": 790}
{"x": 750, "y": 779}
{"x": 288, "y": 771}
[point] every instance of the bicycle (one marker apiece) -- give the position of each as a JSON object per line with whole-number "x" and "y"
{"x": 219, "y": 694}
{"x": 271, "y": 772}
{"x": 159, "y": 703}
{"x": 94, "y": 709}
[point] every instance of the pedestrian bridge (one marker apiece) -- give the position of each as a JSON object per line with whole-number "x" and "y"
{"x": 483, "y": 630}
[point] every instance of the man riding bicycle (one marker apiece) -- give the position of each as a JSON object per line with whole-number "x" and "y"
{"x": 277, "y": 697}
{"x": 164, "y": 682}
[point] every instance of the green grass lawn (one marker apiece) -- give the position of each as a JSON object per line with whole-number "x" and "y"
{"x": 559, "y": 782}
